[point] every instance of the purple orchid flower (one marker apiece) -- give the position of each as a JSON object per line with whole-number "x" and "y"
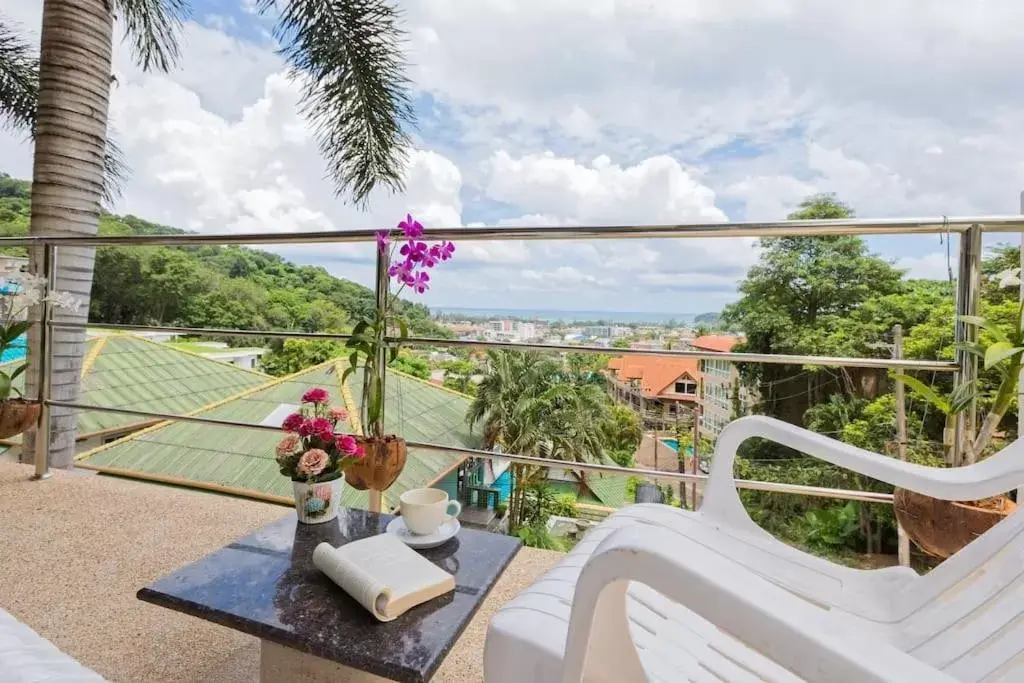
{"x": 411, "y": 227}
{"x": 431, "y": 257}
{"x": 382, "y": 240}
{"x": 402, "y": 271}
{"x": 419, "y": 283}
{"x": 413, "y": 251}
{"x": 447, "y": 250}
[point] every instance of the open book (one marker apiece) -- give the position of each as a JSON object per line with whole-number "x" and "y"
{"x": 383, "y": 574}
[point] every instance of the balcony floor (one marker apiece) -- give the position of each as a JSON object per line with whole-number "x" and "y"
{"x": 76, "y": 548}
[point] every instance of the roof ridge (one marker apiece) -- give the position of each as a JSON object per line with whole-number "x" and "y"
{"x": 198, "y": 355}
{"x": 94, "y": 353}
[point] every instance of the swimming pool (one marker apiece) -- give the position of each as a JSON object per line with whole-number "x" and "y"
{"x": 674, "y": 445}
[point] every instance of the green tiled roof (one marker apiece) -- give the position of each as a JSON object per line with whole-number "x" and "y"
{"x": 136, "y": 373}
{"x": 132, "y": 372}
{"x": 244, "y": 459}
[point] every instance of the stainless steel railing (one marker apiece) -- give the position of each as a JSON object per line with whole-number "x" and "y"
{"x": 970, "y": 228}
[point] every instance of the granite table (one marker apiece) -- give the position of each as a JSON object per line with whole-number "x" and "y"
{"x": 265, "y": 585}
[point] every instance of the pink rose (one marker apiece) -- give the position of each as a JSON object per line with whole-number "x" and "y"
{"x": 313, "y": 462}
{"x": 292, "y": 422}
{"x": 339, "y": 414}
{"x": 287, "y": 446}
{"x": 347, "y": 444}
{"x": 306, "y": 428}
{"x": 316, "y": 395}
{"x": 322, "y": 427}
{"x": 359, "y": 453}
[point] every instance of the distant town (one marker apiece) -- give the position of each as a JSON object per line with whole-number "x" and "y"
{"x": 667, "y": 335}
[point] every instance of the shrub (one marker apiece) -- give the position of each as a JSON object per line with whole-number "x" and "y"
{"x": 564, "y": 505}
{"x": 536, "y": 535}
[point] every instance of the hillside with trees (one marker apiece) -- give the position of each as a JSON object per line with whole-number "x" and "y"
{"x": 829, "y": 296}
{"x": 213, "y": 286}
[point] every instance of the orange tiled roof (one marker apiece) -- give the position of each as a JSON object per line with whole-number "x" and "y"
{"x": 656, "y": 373}
{"x": 722, "y": 343}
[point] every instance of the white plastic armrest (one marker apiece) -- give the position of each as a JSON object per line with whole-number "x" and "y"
{"x": 990, "y": 477}
{"x": 788, "y": 630}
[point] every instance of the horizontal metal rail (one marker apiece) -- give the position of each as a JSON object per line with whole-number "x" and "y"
{"x": 815, "y": 491}
{"x": 830, "y": 361}
{"x": 825, "y": 361}
{"x": 842, "y": 226}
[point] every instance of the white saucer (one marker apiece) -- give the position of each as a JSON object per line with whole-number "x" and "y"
{"x": 442, "y": 534}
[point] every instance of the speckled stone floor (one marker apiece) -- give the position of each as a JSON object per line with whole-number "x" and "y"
{"x": 75, "y": 549}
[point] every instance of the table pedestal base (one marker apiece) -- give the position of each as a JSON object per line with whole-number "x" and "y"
{"x": 281, "y": 664}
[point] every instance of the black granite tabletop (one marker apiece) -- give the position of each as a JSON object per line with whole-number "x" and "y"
{"x": 265, "y": 584}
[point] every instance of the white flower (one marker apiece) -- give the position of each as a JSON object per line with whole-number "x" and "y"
{"x": 66, "y": 300}
{"x": 1009, "y": 277}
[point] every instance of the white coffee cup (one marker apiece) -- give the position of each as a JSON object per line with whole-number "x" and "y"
{"x": 424, "y": 510}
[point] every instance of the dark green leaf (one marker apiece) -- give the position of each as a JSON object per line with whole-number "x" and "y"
{"x": 153, "y": 27}
{"x": 348, "y": 55}
{"x": 924, "y": 391}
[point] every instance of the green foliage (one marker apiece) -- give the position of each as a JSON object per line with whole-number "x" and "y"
{"x": 292, "y": 355}
{"x": 631, "y": 484}
{"x": 832, "y": 527}
{"x": 620, "y": 343}
{"x": 622, "y": 458}
{"x": 536, "y": 535}
{"x": 621, "y": 433}
{"x": 461, "y": 384}
{"x": 411, "y": 365}
{"x": 564, "y": 505}
{"x": 538, "y": 503}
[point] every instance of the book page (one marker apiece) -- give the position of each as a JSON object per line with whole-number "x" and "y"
{"x": 368, "y": 592}
{"x": 383, "y": 574}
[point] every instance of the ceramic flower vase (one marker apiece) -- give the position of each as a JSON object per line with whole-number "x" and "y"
{"x": 380, "y": 467}
{"x": 316, "y": 503}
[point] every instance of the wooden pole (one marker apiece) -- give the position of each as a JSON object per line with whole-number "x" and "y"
{"x": 903, "y": 547}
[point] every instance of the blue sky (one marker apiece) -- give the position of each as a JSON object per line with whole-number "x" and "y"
{"x": 555, "y": 112}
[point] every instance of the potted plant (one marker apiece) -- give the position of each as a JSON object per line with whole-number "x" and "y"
{"x": 315, "y": 456}
{"x": 941, "y": 527}
{"x": 20, "y": 291}
{"x": 386, "y": 453}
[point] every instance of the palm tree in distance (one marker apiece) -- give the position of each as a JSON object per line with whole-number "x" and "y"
{"x": 528, "y": 406}
{"x": 345, "y": 53}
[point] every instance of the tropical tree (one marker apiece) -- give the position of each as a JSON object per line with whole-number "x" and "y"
{"x": 529, "y": 407}
{"x": 345, "y": 53}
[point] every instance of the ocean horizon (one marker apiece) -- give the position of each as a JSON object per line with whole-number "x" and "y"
{"x": 566, "y": 316}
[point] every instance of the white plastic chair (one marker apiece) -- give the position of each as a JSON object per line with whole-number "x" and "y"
{"x": 711, "y": 596}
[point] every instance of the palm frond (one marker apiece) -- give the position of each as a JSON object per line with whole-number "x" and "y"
{"x": 153, "y": 28}
{"x": 19, "y": 80}
{"x": 347, "y": 55}
{"x": 115, "y": 172}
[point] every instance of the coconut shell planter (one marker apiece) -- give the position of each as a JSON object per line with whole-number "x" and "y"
{"x": 942, "y": 527}
{"x": 380, "y": 466}
{"x": 16, "y": 416}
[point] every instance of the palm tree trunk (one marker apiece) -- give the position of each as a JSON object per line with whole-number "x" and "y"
{"x": 67, "y": 183}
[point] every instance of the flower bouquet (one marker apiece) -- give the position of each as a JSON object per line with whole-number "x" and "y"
{"x": 315, "y": 456}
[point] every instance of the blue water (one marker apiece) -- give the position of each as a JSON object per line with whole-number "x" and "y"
{"x": 674, "y": 445}
{"x": 17, "y": 350}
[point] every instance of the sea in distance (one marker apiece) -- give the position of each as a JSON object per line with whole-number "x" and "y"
{"x": 624, "y": 317}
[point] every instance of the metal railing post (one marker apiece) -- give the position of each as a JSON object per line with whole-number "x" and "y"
{"x": 968, "y": 287}
{"x": 381, "y": 364}
{"x": 42, "y": 444}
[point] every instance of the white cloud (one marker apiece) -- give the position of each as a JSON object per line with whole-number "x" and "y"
{"x": 933, "y": 266}
{"x": 563, "y": 112}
